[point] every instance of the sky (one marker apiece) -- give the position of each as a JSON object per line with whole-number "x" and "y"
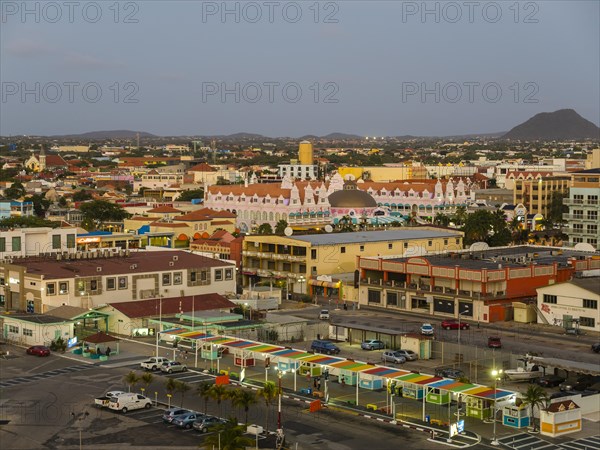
{"x": 372, "y": 68}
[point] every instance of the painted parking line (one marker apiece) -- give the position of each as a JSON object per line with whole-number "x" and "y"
{"x": 528, "y": 442}
{"x": 587, "y": 443}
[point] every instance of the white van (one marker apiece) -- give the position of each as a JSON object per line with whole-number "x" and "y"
{"x": 129, "y": 401}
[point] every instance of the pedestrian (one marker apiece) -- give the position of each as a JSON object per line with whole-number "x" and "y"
{"x": 319, "y": 383}
{"x": 315, "y": 382}
{"x": 185, "y": 355}
{"x": 343, "y": 381}
{"x": 108, "y": 351}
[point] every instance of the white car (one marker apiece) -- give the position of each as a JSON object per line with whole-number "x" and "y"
{"x": 129, "y": 402}
{"x": 324, "y": 314}
{"x": 427, "y": 329}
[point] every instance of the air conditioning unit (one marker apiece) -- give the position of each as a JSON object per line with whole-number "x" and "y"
{"x": 58, "y": 256}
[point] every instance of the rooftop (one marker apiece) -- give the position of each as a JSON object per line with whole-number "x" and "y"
{"x": 175, "y": 305}
{"x": 136, "y": 262}
{"x": 35, "y": 318}
{"x": 376, "y": 236}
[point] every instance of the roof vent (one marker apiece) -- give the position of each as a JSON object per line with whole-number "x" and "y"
{"x": 176, "y": 258}
{"x": 98, "y": 269}
{"x": 133, "y": 266}
{"x": 171, "y": 263}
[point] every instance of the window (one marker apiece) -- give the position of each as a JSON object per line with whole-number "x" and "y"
{"x": 70, "y": 241}
{"x": 406, "y": 245}
{"x": 550, "y": 299}
{"x": 166, "y": 279}
{"x": 392, "y": 298}
{"x": 56, "y": 242}
{"x": 445, "y": 241}
{"x": 177, "y": 278}
{"x": 374, "y": 296}
{"x": 63, "y": 287}
{"x": 13, "y": 329}
{"x": 111, "y": 284}
{"x": 577, "y": 240}
{"x": 2, "y": 244}
{"x": 390, "y": 246}
{"x": 50, "y": 289}
{"x": 592, "y": 304}
{"x": 592, "y": 199}
{"x": 192, "y": 276}
{"x": 30, "y": 306}
{"x": 578, "y": 227}
{"x": 93, "y": 285}
{"x": 27, "y": 332}
{"x": 343, "y": 250}
{"x": 313, "y": 253}
{"x": 16, "y": 244}
{"x": 593, "y": 242}
{"x": 587, "y": 322}
{"x": 218, "y": 275}
{"x": 457, "y": 241}
{"x": 302, "y": 268}
{"x": 203, "y": 276}
{"x": 122, "y": 282}
{"x": 592, "y": 229}
{"x": 229, "y": 274}
{"x": 592, "y": 215}
{"x": 362, "y": 248}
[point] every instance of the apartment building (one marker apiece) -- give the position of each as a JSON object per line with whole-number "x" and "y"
{"x": 480, "y": 285}
{"x": 89, "y": 279}
{"x": 296, "y": 260}
{"x": 22, "y": 242}
{"x": 535, "y": 190}
{"x": 584, "y": 208}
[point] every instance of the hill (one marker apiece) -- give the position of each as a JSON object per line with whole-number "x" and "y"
{"x": 564, "y": 124}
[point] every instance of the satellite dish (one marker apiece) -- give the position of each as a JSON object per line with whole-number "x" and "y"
{"x": 288, "y": 231}
{"x": 328, "y": 228}
{"x": 479, "y": 246}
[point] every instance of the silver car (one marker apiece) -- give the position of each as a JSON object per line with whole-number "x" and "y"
{"x": 409, "y": 355}
{"x": 173, "y": 366}
{"x": 393, "y": 356}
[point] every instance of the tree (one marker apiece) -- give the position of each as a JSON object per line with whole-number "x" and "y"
{"x": 131, "y": 379}
{"x": 535, "y": 396}
{"x": 99, "y": 211}
{"x": 556, "y": 209}
{"x": 229, "y": 436}
{"x": 170, "y": 386}
{"x": 204, "y": 392}
{"x": 219, "y": 393}
{"x": 460, "y": 216}
{"x": 62, "y": 202}
{"x": 188, "y": 196}
{"x": 485, "y": 226}
{"x": 243, "y": 398}
{"x": 27, "y": 222}
{"x": 280, "y": 227}
{"x": 264, "y": 228}
{"x": 441, "y": 219}
{"x": 182, "y": 387}
{"x": 147, "y": 378}
{"x": 345, "y": 224}
{"x": 40, "y": 204}
{"x": 268, "y": 393}
{"x": 16, "y": 190}
{"x": 82, "y": 196}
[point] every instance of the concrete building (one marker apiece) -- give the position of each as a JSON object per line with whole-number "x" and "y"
{"x": 584, "y": 208}
{"x": 571, "y": 305}
{"x": 535, "y": 190}
{"x": 299, "y": 171}
{"x": 38, "y": 284}
{"x": 35, "y": 329}
{"x": 293, "y": 261}
{"x": 14, "y": 208}
{"x": 481, "y": 285}
{"x": 593, "y": 159}
{"x": 22, "y": 242}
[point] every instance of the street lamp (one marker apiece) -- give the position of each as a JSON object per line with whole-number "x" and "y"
{"x": 459, "y": 328}
{"x": 301, "y": 280}
{"x": 79, "y": 419}
{"x": 496, "y": 373}
{"x": 160, "y": 299}
{"x": 279, "y": 376}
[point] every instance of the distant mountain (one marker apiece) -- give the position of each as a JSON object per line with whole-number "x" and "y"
{"x": 239, "y": 136}
{"x": 563, "y": 124}
{"x": 112, "y": 134}
{"x": 342, "y": 136}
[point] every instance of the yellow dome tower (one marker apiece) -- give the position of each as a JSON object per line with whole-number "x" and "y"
{"x": 305, "y": 153}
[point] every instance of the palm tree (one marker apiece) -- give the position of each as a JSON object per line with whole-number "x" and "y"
{"x": 131, "y": 379}
{"x": 243, "y": 398}
{"x": 147, "y": 378}
{"x": 535, "y": 396}
{"x": 268, "y": 393}
{"x": 170, "y": 386}
{"x": 182, "y": 387}
{"x": 204, "y": 391}
{"x": 229, "y": 436}
{"x": 460, "y": 215}
{"x": 441, "y": 219}
{"x": 219, "y": 393}
{"x": 280, "y": 227}
{"x": 264, "y": 228}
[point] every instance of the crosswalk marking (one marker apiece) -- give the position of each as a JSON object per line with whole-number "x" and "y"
{"x": 525, "y": 441}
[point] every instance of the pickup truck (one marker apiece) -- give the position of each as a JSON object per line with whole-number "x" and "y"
{"x": 154, "y": 362}
{"x": 102, "y": 402}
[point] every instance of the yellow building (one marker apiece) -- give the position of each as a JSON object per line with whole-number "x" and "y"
{"x": 305, "y": 153}
{"x": 384, "y": 174}
{"x": 535, "y": 190}
{"x": 297, "y": 260}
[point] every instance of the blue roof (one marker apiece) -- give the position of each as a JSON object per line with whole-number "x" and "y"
{"x": 96, "y": 233}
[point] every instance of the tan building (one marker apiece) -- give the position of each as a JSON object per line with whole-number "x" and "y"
{"x": 535, "y": 190}
{"x": 293, "y": 261}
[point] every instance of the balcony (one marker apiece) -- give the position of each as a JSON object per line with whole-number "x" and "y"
{"x": 570, "y": 201}
{"x": 449, "y": 291}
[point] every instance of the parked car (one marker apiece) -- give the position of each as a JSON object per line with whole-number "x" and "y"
{"x": 324, "y": 314}
{"x": 372, "y": 344}
{"x": 596, "y": 347}
{"x": 579, "y": 383}
{"x": 494, "y": 342}
{"x": 454, "y": 325}
{"x": 550, "y": 380}
{"x": 129, "y": 402}
{"x": 173, "y": 366}
{"x": 187, "y": 420}
{"x": 408, "y": 354}
{"x": 449, "y": 372}
{"x": 327, "y": 347}
{"x": 102, "y": 402}
{"x": 171, "y": 413}
{"x": 393, "y": 356}
{"x": 153, "y": 363}
{"x": 208, "y": 423}
{"x": 38, "y": 350}
{"x": 427, "y": 329}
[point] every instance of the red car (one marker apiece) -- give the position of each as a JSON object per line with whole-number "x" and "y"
{"x": 453, "y": 325}
{"x": 38, "y": 350}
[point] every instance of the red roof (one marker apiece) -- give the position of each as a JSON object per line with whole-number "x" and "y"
{"x": 53, "y": 160}
{"x": 565, "y": 405}
{"x": 173, "y": 305}
{"x": 164, "y": 209}
{"x": 100, "y": 338}
{"x": 205, "y": 214}
{"x": 202, "y": 167}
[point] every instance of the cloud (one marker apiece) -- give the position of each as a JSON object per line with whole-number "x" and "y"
{"x": 79, "y": 61}
{"x": 26, "y": 48}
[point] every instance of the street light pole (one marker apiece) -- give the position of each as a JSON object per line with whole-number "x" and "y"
{"x": 159, "y": 322}
{"x": 279, "y": 375}
{"x": 495, "y": 373}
